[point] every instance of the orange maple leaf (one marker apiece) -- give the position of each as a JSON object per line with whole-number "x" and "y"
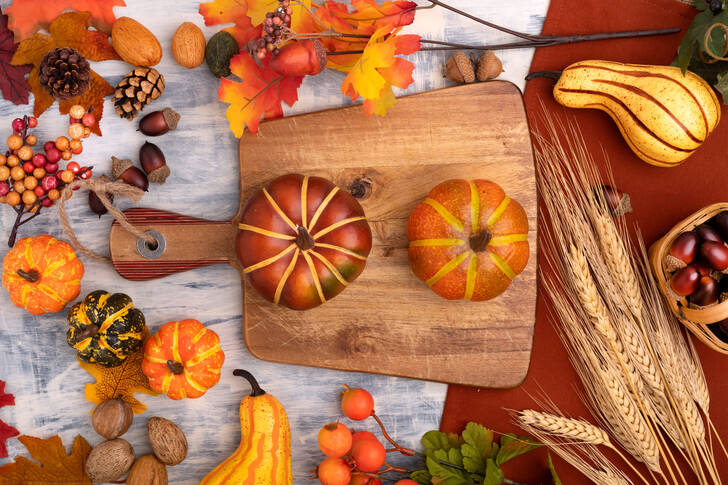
{"x": 120, "y": 381}
{"x": 231, "y": 11}
{"x": 377, "y": 70}
{"x": 29, "y": 16}
{"x": 68, "y": 30}
{"x": 259, "y": 94}
{"x": 53, "y": 464}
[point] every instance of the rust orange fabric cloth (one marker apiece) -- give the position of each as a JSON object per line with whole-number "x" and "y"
{"x": 660, "y": 197}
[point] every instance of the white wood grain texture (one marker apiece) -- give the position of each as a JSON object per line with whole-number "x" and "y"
{"x": 41, "y": 369}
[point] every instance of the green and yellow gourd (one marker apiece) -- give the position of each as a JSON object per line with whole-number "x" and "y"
{"x": 105, "y": 328}
{"x": 264, "y": 454}
{"x": 663, "y": 115}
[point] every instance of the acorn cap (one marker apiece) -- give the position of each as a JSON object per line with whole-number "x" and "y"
{"x": 119, "y": 166}
{"x": 159, "y": 175}
{"x": 488, "y": 66}
{"x": 171, "y": 117}
{"x": 320, "y": 54}
{"x": 459, "y": 68}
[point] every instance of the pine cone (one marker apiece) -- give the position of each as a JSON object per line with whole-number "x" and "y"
{"x": 136, "y": 90}
{"x": 64, "y": 73}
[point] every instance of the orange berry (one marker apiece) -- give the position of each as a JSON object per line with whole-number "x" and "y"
{"x": 30, "y": 183}
{"x": 54, "y": 194}
{"x": 77, "y": 111}
{"x": 3, "y": 159}
{"x": 13, "y": 161}
{"x": 86, "y": 131}
{"x": 30, "y": 207}
{"x": 29, "y": 197}
{"x": 25, "y": 153}
{"x": 15, "y": 142}
{"x": 4, "y": 173}
{"x": 75, "y": 131}
{"x": 76, "y": 146}
{"x": 67, "y": 176}
{"x": 13, "y": 198}
{"x": 66, "y": 154}
{"x": 31, "y": 140}
{"x": 17, "y": 173}
{"x": 39, "y": 173}
{"x": 62, "y": 143}
{"x": 19, "y": 186}
{"x": 3, "y": 199}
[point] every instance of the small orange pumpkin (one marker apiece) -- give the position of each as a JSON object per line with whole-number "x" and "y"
{"x": 183, "y": 359}
{"x": 42, "y": 274}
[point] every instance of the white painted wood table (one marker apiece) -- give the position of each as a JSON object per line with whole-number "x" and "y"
{"x": 41, "y": 369}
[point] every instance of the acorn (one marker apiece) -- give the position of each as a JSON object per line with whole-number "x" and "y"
{"x": 459, "y": 68}
{"x": 159, "y": 122}
{"x": 488, "y": 66}
{"x": 153, "y": 162}
{"x": 97, "y": 207}
{"x": 125, "y": 171}
{"x": 617, "y": 201}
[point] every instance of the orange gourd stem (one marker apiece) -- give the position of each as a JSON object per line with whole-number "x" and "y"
{"x": 257, "y": 390}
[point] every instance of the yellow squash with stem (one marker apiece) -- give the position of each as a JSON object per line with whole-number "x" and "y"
{"x": 662, "y": 114}
{"x": 264, "y": 454}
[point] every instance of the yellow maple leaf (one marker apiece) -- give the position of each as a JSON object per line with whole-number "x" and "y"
{"x": 51, "y": 465}
{"x": 121, "y": 381}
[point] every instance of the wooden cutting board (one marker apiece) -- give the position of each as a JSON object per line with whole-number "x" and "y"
{"x": 387, "y": 321}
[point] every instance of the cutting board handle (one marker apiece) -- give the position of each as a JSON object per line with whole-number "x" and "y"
{"x": 185, "y": 243}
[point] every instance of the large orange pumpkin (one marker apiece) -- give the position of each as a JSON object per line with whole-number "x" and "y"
{"x": 42, "y": 274}
{"x": 468, "y": 240}
{"x": 183, "y": 359}
{"x": 302, "y": 240}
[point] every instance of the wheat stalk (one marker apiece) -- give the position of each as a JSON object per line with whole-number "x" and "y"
{"x": 576, "y": 429}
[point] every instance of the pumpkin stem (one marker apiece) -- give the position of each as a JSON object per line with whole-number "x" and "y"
{"x": 480, "y": 241}
{"x": 89, "y": 331}
{"x": 31, "y": 276}
{"x": 553, "y": 75}
{"x": 176, "y": 367}
{"x": 257, "y": 391}
{"x": 304, "y": 240}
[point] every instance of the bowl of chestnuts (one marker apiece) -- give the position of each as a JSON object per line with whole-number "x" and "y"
{"x": 690, "y": 264}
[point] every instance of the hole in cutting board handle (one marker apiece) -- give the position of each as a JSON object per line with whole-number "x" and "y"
{"x": 151, "y": 250}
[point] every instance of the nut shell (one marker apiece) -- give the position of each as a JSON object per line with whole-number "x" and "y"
{"x": 109, "y": 461}
{"x": 113, "y": 417}
{"x": 147, "y": 470}
{"x": 134, "y": 43}
{"x": 168, "y": 442}
{"x": 488, "y": 66}
{"x": 459, "y": 68}
{"x": 188, "y": 45}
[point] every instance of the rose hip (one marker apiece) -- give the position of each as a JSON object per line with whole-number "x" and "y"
{"x": 368, "y": 455}
{"x": 334, "y": 439}
{"x": 334, "y": 471}
{"x": 357, "y": 404}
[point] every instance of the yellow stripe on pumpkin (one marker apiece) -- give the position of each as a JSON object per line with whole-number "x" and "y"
{"x": 203, "y": 356}
{"x": 315, "y": 277}
{"x": 337, "y": 225}
{"x": 320, "y": 209}
{"x": 437, "y": 242}
{"x": 199, "y": 335}
{"x": 348, "y": 252}
{"x": 498, "y": 212}
{"x": 84, "y": 343}
{"x": 271, "y": 260}
{"x": 304, "y": 199}
{"x": 447, "y": 267}
{"x": 331, "y": 268}
{"x": 445, "y": 214}
{"x": 265, "y": 232}
{"x": 284, "y": 277}
{"x": 167, "y": 382}
{"x": 102, "y": 300}
{"x": 509, "y": 239}
{"x": 502, "y": 265}
{"x": 155, "y": 360}
{"x": 470, "y": 280}
{"x": 51, "y": 293}
{"x": 175, "y": 343}
{"x": 474, "y": 208}
{"x": 109, "y": 321}
{"x": 29, "y": 255}
{"x": 105, "y": 345}
{"x": 278, "y": 210}
{"x": 193, "y": 383}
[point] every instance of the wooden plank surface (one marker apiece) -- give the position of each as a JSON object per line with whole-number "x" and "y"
{"x": 388, "y": 321}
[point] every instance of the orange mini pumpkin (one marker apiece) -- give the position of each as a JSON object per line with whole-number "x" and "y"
{"x": 42, "y": 274}
{"x": 468, "y": 240}
{"x": 183, "y": 359}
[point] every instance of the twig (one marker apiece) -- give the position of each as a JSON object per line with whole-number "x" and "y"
{"x": 484, "y": 22}
{"x": 397, "y": 447}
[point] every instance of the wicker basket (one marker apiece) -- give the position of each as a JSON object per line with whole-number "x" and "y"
{"x": 696, "y": 320}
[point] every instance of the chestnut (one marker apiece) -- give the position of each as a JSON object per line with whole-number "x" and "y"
{"x": 721, "y": 224}
{"x": 685, "y": 247}
{"x": 706, "y": 293}
{"x": 715, "y": 254}
{"x": 703, "y": 268}
{"x": 708, "y": 233}
{"x": 685, "y": 281}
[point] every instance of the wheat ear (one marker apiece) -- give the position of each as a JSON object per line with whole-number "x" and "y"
{"x": 576, "y": 429}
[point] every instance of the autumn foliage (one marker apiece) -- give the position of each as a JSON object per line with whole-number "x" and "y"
{"x": 366, "y": 34}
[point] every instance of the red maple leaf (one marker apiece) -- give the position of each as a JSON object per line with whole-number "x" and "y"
{"x": 6, "y": 431}
{"x": 5, "y": 399}
{"x": 13, "y": 85}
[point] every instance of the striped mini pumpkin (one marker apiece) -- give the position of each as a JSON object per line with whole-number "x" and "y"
{"x": 468, "y": 240}
{"x": 183, "y": 359}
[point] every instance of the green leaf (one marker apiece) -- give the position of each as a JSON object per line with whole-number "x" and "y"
{"x": 443, "y": 474}
{"x": 454, "y": 456}
{"x": 477, "y": 448}
{"x": 437, "y": 440}
{"x": 422, "y": 477}
{"x": 493, "y": 473}
{"x": 512, "y": 446}
{"x": 693, "y": 36}
{"x": 554, "y": 476}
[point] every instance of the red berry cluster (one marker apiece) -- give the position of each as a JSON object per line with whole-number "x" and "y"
{"x": 355, "y": 458}
{"x": 274, "y": 30}
{"x": 31, "y": 179}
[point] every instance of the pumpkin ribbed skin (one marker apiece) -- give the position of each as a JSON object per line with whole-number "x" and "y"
{"x": 440, "y": 231}
{"x": 59, "y": 274}
{"x": 284, "y": 266}
{"x": 105, "y": 328}
{"x": 264, "y": 454}
{"x": 183, "y": 359}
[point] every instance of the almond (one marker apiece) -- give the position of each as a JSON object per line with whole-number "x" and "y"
{"x": 147, "y": 470}
{"x": 188, "y": 45}
{"x": 134, "y": 43}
